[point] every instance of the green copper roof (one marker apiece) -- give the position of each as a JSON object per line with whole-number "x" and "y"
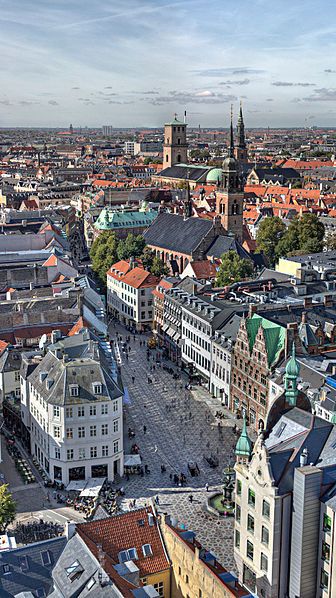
{"x": 244, "y": 444}
{"x": 175, "y": 122}
{"x": 293, "y": 367}
{"x": 274, "y": 336}
{"x": 110, "y": 220}
{"x": 214, "y": 175}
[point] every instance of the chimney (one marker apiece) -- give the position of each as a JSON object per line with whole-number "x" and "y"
{"x": 304, "y": 317}
{"x": 304, "y": 458}
{"x": 328, "y": 300}
{"x": 307, "y": 302}
{"x": 252, "y": 309}
{"x": 70, "y": 529}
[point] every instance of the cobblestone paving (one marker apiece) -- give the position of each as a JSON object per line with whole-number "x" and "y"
{"x": 179, "y": 428}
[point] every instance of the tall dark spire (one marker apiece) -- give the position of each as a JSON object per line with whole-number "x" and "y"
{"x": 231, "y": 148}
{"x": 241, "y": 129}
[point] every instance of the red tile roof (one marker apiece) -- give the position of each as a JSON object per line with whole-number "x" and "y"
{"x": 3, "y": 346}
{"x": 77, "y": 327}
{"x": 51, "y": 261}
{"x": 204, "y": 269}
{"x": 122, "y": 532}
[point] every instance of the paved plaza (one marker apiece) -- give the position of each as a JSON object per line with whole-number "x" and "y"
{"x": 180, "y": 427}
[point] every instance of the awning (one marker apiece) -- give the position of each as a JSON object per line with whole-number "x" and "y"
{"x": 76, "y": 485}
{"x": 165, "y": 327}
{"x": 132, "y": 460}
{"x": 176, "y": 336}
{"x": 93, "y": 487}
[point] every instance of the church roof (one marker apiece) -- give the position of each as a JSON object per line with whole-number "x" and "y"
{"x": 185, "y": 171}
{"x": 222, "y": 244}
{"x": 172, "y": 232}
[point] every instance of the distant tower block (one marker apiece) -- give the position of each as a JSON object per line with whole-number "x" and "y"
{"x": 175, "y": 143}
{"x": 71, "y": 130}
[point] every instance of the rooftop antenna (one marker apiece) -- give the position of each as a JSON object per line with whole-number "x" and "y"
{"x": 185, "y": 117}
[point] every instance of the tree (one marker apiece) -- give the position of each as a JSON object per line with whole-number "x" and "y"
{"x": 310, "y": 227}
{"x": 270, "y": 232}
{"x": 7, "y": 507}
{"x": 103, "y": 254}
{"x": 132, "y": 246}
{"x": 158, "y": 268}
{"x": 233, "y": 269}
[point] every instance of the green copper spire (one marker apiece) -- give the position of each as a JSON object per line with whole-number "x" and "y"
{"x": 244, "y": 444}
{"x": 291, "y": 376}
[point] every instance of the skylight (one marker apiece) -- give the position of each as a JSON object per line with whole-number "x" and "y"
{"x": 147, "y": 550}
{"x": 74, "y": 571}
{"x": 280, "y": 430}
{"x": 45, "y": 556}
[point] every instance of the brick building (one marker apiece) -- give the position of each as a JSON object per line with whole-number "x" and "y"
{"x": 260, "y": 344}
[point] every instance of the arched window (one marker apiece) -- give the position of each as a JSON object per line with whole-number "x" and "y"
{"x": 222, "y": 210}
{"x": 167, "y": 158}
{"x": 179, "y": 141}
{"x": 179, "y": 157}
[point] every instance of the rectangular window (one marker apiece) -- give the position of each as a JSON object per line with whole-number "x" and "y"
{"x": 57, "y": 432}
{"x": 250, "y": 524}
{"x": 263, "y": 562}
{"x": 326, "y": 523}
{"x": 251, "y": 498}
{"x": 74, "y": 391}
{"x": 97, "y": 389}
{"x": 116, "y": 425}
{"x": 93, "y": 452}
{"x": 324, "y": 579}
{"x": 249, "y": 550}
{"x": 81, "y": 432}
{"x": 239, "y": 487}
{"x": 81, "y": 411}
{"x": 159, "y": 587}
{"x": 70, "y": 454}
{"x": 68, "y": 412}
{"x": 115, "y": 446}
{"x": 17, "y": 376}
{"x": 104, "y": 409}
{"x": 57, "y": 453}
{"x": 104, "y": 429}
{"x": 81, "y": 453}
{"x": 69, "y": 433}
{"x": 93, "y": 430}
{"x": 238, "y": 513}
{"x": 264, "y": 535}
{"x": 93, "y": 410}
{"x": 105, "y": 450}
{"x": 115, "y": 406}
{"x": 56, "y": 411}
{"x": 266, "y": 509}
{"x": 237, "y": 538}
{"x": 326, "y": 551}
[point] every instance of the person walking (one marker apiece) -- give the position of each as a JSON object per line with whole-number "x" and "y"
{"x": 144, "y": 429}
{"x": 207, "y": 487}
{"x": 191, "y": 497}
{"x": 133, "y": 379}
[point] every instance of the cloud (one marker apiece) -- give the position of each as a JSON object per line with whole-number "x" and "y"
{"x": 292, "y": 84}
{"x": 329, "y": 71}
{"x": 323, "y": 94}
{"x": 108, "y": 87}
{"x": 222, "y": 72}
{"x": 53, "y": 103}
{"x": 75, "y": 87}
{"x": 28, "y": 102}
{"x": 5, "y": 103}
{"x": 269, "y": 100}
{"x": 238, "y": 82}
{"x": 193, "y": 97}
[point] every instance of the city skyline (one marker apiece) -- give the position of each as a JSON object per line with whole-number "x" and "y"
{"x": 135, "y": 65}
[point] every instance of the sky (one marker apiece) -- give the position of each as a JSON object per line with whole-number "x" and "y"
{"x": 134, "y": 63}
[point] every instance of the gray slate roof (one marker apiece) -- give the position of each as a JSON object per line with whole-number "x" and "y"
{"x": 37, "y": 575}
{"x": 172, "y": 232}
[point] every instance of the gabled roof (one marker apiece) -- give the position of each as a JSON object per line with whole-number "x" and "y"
{"x": 172, "y": 232}
{"x": 273, "y": 333}
{"x": 129, "y": 530}
{"x": 51, "y": 261}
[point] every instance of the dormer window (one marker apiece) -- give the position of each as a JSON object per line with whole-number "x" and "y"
{"x": 97, "y": 388}
{"x": 147, "y": 550}
{"x": 74, "y": 390}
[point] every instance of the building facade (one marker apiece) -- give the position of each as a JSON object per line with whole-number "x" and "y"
{"x": 73, "y": 410}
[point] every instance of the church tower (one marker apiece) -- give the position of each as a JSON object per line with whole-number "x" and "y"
{"x": 175, "y": 143}
{"x": 230, "y": 194}
{"x": 241, "y": 149}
